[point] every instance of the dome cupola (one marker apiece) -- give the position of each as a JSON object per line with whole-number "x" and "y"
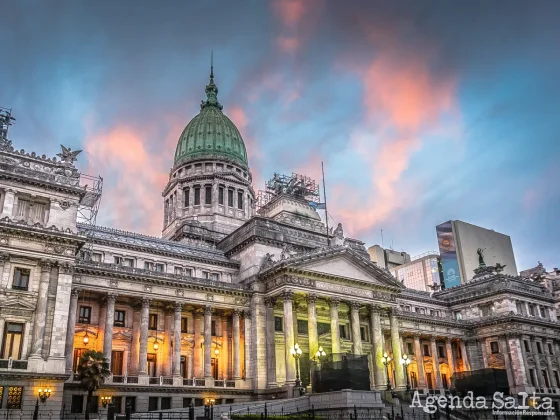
{"x": 211, "y": 134}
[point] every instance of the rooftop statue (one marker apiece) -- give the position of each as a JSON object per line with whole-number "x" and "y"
{"x": 481, "y": 262}
{"x": 499, "y": 267}
{"x": 68, "y": 156}
{"x": 339, "y": 232}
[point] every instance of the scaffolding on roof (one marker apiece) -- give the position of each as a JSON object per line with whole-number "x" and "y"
{"x": 295, "y": 185}
{"x": 88, "y": 209}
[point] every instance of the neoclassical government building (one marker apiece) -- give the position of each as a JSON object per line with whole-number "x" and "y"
{"x": 214, "y": 307}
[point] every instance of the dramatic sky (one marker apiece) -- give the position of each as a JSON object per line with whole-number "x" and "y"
{"x": 422, "y": 111}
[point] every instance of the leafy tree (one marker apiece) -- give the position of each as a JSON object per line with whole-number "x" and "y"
{"x": 92, "y": 371}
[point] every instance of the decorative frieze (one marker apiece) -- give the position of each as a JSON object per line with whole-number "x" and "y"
{"x": 345, "y": 290}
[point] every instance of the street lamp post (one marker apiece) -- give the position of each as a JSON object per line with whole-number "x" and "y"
{"x": 320, "y": 354}
{"x": 296, "y": 352}
{"x": 386, "y": 359}
{"x": 405, "y": 361}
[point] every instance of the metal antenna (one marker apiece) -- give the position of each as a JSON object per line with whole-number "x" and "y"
{"x": 212, "y": 65}
{"x": 326, "y": 211}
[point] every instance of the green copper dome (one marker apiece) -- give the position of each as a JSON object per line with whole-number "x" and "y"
{"x": 211, "y": 134}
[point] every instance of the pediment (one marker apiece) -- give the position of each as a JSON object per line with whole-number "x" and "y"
{"x": 17, "y": 303}
{"x": 344, "y": 266}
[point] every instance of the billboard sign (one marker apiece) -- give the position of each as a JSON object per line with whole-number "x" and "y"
{"x": 448, "y": 253}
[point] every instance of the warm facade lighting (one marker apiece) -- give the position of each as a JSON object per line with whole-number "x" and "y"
{"x": 44, "y": 394}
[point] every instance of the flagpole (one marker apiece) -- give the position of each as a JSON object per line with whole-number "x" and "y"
{"x": 326, "y": 211}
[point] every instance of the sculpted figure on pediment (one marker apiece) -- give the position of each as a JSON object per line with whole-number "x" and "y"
{"x": 267, "y": 262}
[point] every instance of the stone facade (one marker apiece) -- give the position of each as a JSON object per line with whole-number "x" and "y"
{"x": 186, "y": 320}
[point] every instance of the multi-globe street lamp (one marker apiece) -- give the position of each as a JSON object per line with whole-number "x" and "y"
{"x": 296, "y": 352}
{"x": 386, "y": 359}
{"x": 405, "y": 361}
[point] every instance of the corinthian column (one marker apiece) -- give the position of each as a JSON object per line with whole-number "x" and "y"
{"x": 419, "y": 362}
{"x": 236, "y": 345}
{"x": 177, "y": 340}
{"x": 377, "y": 339}
{"x": 247, "y": 342}
{"x": 109, "y": 322}
{"x": 450, "y": 361}
{"x": 397, "y": 353}
{"x": 71, "y": 330}
{"x": 207, "y": 342}
{"x": 312, "y": 325}
{"x": 355, "y": 319}
{"x": 335, "y": 330}
{"x": 270, "y": 343}
{"x": 143, "y": 353}
{"x": 435, "y": 358}
{"x": 289, "y": 338}
{"x": 41, "y": 311}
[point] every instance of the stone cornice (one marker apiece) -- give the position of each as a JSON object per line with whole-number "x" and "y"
{"x": 37, "y": 231}
{"x": 510, "y": 317}
{"x": 201, "y": 177}
{"x": 115, "y": 271}
{"x": 491, "y": 286}
{"x": 428, "y": 319}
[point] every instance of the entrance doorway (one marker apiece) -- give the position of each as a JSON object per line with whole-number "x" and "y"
{"x": 430, "y": 380}
{"x": 151, "y": 368}
{"x": 214, "y": 368}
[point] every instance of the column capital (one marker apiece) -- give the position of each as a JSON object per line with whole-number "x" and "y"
{"x": 4, "y": 256}
{"x": 246, "y": 313}
{"x": 178, "y": 306}
{"x": 375, "y": 309}
{"x": 111, "y": 297}
{"x": 355, "y": 305}
{"x": 66, "y": 268}
{"x": 416, "y": 335}
{"x": 146, "y": 302}
{"x": 208, "y": 310}
{"x": 288, "y": 295}
{"x": 448, "y": 340}
{"x": 46, "y": 265}
{"x": 334, "y": 302}
{"x": 236, "y": 312}
{"x": 75, "y": 292}
{"x": 311, "y": 298}
{"x": 432, "y": 339}
{"x": 269, "y": 302}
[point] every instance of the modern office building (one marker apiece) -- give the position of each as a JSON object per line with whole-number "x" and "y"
{"x": 421, "y": 273}
{"x": 387, "y": 258}
{"x": 459, "y": 243}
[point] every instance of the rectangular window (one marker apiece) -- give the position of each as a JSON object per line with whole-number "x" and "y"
{"x": 187, "y": 402}
{"x": 77, "y": 404}
{"x": 527, "y": 346}
{"x": 179, "y": 271}
{"x": 426, "y": 349}
{"x": 95, "y": 257}
{"x": 542, "y": 311}
{"x": 165, "y": 403}
{"x": 323, "y": 328}
{"x": 117, "y": 260}
{"x": 230, "y": 198}
{"x": 532, "y": 377}
{"x": 278, "y": 324}
{"x": 14, "y": 397}
{"x": 128, "y": 262}
{"x": 546, "y": 378}
{"x": 13, "y": 335}
{"x": 215, "y": 276}
{"x": 184, "y": 325}
{"x": 213, "y": 328}
{"x": 342, "y": 331}
{"x": 539, "y": 347}
{"x": 413, "y": 380}
{"x": 21, "y": 278}
{"x": 130, "y": 402}
{"x": 240, "y": 200}
{"x": 159, "y": 267}
{"x": 206, "y": 275}
{"x": 152, "y": 325}
{"x": 221, "y": 195}
{"x": 457, "y": 315}
{"x": 364, "y": 333}
{"x": 148, "y": 265}
{"x": 188, "y": 272}
{"x": 557, "y": 378}
{"x": 550, "y": 349}
{"x": 85, "y": 315}
{"x": 441, "y": 351}
{"x": 119, "y": 318}
{"x": 152, "y": 403}
{"x": 532, "y": 310}
{"x": 187, "y": 197}
{"x": 519, "y": 306}
{"x": 494, "y": 348}
{"x": 117, "y": 358}
{"x": 410, "y": 349}
{"x": 302, "y": 326}
{"x": 197, "y": 196}
{"x": 208, "y": 195}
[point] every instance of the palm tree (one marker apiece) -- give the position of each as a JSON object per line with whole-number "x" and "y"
{"x": 92, "y": 371}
